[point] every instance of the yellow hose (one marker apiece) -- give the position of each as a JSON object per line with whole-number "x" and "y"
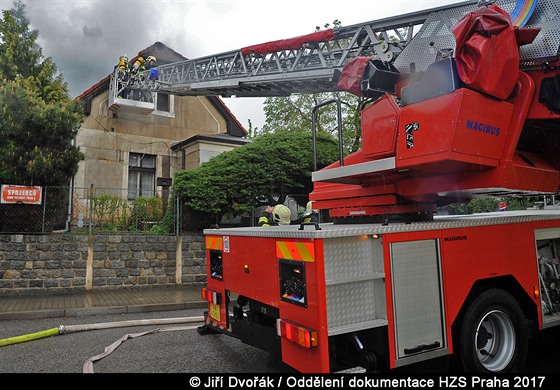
{"x": 29, "y": 337}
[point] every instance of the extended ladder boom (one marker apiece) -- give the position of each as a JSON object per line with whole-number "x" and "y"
{"x": 311, "y": 63}
{"x": 309, "y": 68}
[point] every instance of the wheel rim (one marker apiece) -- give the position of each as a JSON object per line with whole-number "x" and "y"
{"x": 495, "y": 341}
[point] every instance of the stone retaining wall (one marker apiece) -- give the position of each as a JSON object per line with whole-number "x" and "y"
{"x": 57, "y": 263}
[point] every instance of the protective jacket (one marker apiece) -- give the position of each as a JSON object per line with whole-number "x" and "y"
{"x": 265, "y": 219}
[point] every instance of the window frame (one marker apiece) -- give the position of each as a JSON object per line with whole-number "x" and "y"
{"x": 171, "y": 101}
{"x": 139, "y": 171}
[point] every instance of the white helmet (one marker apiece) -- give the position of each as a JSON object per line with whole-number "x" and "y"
{"x": 281, "y": 214}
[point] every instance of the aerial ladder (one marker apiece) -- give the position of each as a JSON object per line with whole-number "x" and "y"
{"x": 419, "y": 149}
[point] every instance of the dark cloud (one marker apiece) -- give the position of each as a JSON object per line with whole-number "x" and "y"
{"x": 94, "y": 32}
{"x": 86, "y": 38}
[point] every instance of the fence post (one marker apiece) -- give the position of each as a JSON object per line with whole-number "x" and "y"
{"x": 177, "y": 215}
{"x": 44, "y": 210}
{"x": 90, "y": 209}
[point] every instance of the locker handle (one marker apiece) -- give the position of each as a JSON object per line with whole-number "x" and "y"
{"x": 422, "y": 347}
{"x": 316, "y": 224}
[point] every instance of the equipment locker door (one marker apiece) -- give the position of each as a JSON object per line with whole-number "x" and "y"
{"x": 417, "y": 299}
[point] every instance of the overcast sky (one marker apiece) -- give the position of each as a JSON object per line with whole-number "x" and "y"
{"x": 86, "y": 37}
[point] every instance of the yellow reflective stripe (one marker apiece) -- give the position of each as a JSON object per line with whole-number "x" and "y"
{"x": 295, "y": 250}
{"x": 282, "y": 250}
{"x": 306, "y": 250}
{"x": 214, "y": 243}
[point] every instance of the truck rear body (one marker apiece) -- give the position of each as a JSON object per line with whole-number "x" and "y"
{"x": 330, "y": 299}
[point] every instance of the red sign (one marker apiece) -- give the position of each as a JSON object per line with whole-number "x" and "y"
{"x": 21, "y": 194}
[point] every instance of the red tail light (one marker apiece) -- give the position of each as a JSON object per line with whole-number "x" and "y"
{"x": 211, "y": 296}
{"x": 296, "y": 333}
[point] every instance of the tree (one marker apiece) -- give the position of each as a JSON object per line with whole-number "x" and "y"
{"x": 38, "y": 124}
{"x": 260, "y": 173}
{"x": 38, "y": 121}
{"x": 22, "y": 58}
{"x": 294, "y": 113}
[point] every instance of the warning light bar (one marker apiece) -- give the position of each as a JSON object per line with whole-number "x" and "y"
{"x": 296, "y": 333}
{"x": 211, "y": 296}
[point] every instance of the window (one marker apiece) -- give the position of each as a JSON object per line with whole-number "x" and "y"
{"x": 164, "y": 105}
{"x": 141, "y": 175}
{"x": 162, "y": 102}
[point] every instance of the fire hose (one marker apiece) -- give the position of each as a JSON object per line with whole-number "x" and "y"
{"x": 88, "y": 365}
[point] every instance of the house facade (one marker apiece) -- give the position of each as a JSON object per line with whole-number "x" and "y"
{"x": 133, "y": 149}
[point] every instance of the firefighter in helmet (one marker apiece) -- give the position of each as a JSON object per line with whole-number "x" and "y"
{"x": 141, "y": 64}
{"x": 122, "y": 76}
{"x": 123, "y": 65}
{"x": 310, "y": 214}
{"x": 149, "y": 63}
{"x": 139, "y": 74}
{"x": 277, "y": 215}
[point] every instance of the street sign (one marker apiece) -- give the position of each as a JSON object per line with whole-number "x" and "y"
{"x": 21, "y": 194}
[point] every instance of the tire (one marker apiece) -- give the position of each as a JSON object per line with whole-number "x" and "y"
{"x": 493, "y": 336}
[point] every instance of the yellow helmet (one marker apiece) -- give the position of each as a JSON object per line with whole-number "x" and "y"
{"x": 281, "y": 214}
{"x": 308, "y": 208}
{"x": 151, "y": 58}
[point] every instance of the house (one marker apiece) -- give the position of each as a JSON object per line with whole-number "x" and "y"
{"x": 133, "y": 151}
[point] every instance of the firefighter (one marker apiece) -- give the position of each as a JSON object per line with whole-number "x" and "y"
{"x": 124, "y": 72}
{"x": 123, "y": 64}
{"x": 149, "y": 63}
{"x": 277, "y": 215}
{"x": 137, "y": 64}
{"x": 142, "y": 64}
{"x": 311, "y": 214}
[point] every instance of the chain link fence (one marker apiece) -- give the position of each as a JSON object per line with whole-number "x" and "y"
{"x": 49, "y": 215}
{"x": 113, "y": 210}
{"x": 93, "y": 210}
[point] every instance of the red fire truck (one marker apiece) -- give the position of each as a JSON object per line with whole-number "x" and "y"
{"x": 468, "y": 106}
{"x": 382, "y": 296}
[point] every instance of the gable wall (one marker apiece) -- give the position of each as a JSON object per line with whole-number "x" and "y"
{"x": 107, "y": 137}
